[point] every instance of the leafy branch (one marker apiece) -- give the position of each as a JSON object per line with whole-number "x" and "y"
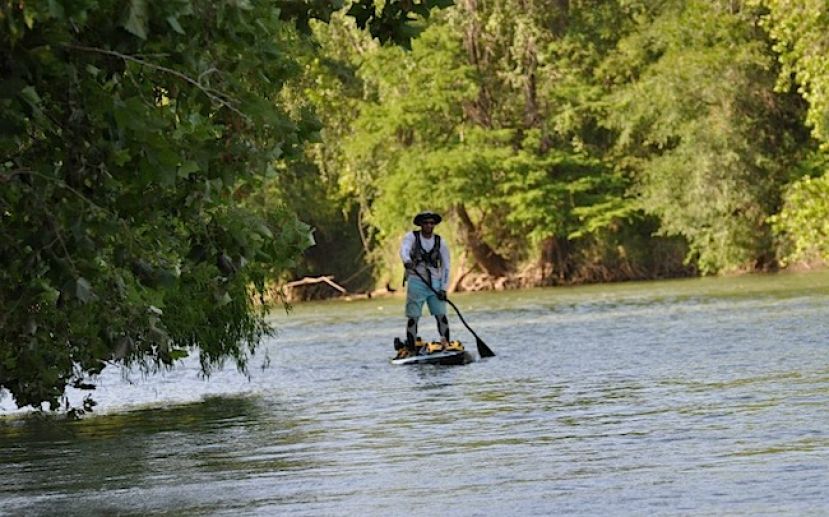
{"x": 214, "y": 95}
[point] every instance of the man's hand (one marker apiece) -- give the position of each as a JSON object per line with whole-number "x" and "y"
{"x": 442, "y": 295}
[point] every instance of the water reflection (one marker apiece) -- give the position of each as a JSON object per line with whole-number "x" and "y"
{"x": 149, "y": 459}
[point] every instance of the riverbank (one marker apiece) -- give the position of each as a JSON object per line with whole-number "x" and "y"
{"x": 321, "y": 288}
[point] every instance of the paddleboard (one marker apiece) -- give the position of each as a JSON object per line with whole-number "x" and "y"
{"x": 451, "y": 358}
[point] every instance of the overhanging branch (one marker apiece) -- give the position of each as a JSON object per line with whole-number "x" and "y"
{"x": 214, "y": 95}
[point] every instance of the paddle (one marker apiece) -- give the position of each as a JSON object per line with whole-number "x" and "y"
{"x": 483, "y": 350}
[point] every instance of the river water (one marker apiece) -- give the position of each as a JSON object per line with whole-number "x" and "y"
{"x": 692, "y": 397}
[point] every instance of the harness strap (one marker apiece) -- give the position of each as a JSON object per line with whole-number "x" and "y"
{"x": 431, "y": 258}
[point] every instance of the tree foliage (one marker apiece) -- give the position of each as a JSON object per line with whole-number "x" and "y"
{"x": 480, "y": 120}
{"x": 140, "y": 148}
{"x": 799, "y": 29}
{"x": 547, "y": 125}
{"x": 707, "y": 140}
{"x": 804, "y": 221}
{"x": 801, "y": 34}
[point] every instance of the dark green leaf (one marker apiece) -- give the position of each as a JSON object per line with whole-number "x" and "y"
{"x": 137, "y": 18}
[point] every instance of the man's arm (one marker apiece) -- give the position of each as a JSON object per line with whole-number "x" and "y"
{"x": 446, "y": 261}
{"x": 406, "y": 248}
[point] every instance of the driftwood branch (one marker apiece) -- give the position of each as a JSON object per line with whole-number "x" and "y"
{"x": 316, "y": 280}
{"x": 343, "y": 292}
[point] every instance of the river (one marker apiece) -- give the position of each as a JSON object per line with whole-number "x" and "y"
{"x": 687, "y": 397}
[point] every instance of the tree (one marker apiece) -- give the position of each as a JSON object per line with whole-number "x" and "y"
{"x": 799, "y": 29}
{"x": 801, "y": 34}
{"x": 803, "y": 222}
{"x": 494, "y": 117}
{"x": 138, "y": 151}
{"x": 699, "y": 124}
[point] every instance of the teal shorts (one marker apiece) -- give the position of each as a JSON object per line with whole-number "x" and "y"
{"x": 417, "y": 293}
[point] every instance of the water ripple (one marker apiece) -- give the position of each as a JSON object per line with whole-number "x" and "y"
{"x": 678, "y": 398}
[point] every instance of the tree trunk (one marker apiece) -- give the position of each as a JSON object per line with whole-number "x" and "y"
{"x": 480, "y": 109}
{"x": 529, "y": 66}
{"x": 462, "y": 272}
{"x": 492, "y": 263}
{"x": 555, "y": 260}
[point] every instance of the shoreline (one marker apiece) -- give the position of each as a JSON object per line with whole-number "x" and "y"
{"x": 481, "y": 282}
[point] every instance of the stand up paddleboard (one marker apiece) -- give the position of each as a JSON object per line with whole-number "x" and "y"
{"x": 452, "y": 354}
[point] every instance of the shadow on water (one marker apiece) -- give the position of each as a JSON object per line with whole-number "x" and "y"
{"x": 147, "y": 460}
{"x": 434, "y": 377}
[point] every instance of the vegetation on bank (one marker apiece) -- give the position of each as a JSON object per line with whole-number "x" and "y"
{"x": 163, "y": 163}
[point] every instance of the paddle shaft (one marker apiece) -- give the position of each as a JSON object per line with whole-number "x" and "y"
{"x": 483, "y": 350}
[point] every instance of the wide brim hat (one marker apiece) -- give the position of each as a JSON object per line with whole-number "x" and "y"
{"x": 419, "y": 218}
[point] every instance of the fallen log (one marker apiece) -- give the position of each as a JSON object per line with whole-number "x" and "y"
{"x": 308, "y": 280}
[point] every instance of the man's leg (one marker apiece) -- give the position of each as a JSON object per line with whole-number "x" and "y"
{"x": 443, "y": 328}
{"x": 438, "y": 309}
{"x": 415, "y": 296}
{"x": 411, "y": 332}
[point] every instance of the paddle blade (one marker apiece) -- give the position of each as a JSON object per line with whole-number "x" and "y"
{"x": 483, "y": 350}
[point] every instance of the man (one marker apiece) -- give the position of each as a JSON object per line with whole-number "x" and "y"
{"x": 426, "y": 259}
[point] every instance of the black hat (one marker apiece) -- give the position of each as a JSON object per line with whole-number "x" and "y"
{"x": 419, "y": 218}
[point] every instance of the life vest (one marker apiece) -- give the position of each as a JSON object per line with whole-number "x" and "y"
{"x": 430, "y": 258}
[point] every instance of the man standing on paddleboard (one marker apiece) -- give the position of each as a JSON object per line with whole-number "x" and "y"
{"x": 426, "y": 259}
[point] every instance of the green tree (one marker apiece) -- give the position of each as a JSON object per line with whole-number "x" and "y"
{"x": 709, "y": 142}
{"x": 139, "y": 152}
{"x": 494, "y": 117}
{"x": 803, "y": 223}
{"x": 799, "y": 29}
{"x": 801, "y": 34}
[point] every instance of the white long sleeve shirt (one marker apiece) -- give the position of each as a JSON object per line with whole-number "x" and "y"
{"x": 440, "y": 274}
